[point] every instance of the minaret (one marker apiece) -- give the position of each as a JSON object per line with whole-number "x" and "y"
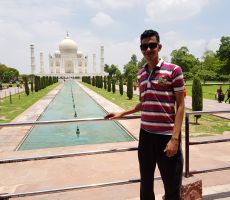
{"x": 102, "y": 60}
{"x": 94, "y": 63}
{"x": 41, "y": 63}
{"x": 32, "y": 59}
{"x": 86, "y": 64}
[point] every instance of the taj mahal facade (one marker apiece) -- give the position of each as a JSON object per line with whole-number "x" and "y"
{"x": 67, "y": 61}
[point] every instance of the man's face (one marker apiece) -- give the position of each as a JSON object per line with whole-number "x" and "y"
{"x": 150, "y": 48}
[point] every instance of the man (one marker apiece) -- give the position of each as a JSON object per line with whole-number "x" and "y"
{"x": 220, "y": 95}
{"x": 161, "y": 88}
{"x": 228, "y": 95}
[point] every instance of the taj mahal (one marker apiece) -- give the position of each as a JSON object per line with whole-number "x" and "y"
{"x": 67, "y": 61}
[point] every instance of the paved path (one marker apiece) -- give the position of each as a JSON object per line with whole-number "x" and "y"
{"x": 208, "y": 105}
{"x": 65, "y": 172}
{"x": 211, "y": 105}
{"x": 10, "y": 90}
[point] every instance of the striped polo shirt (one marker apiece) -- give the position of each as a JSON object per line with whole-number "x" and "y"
{"x": 157, "y": 95}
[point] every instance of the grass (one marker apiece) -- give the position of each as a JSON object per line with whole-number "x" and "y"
{"x": 20, "y": 102}
{"x": 116, "y": 98}
{"x": 209, "y": 91}
{"x": 208, "y": 124}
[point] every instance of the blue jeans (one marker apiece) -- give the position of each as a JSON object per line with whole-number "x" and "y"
{"x": 151, "y": 152}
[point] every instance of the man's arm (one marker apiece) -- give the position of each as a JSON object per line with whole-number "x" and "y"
{"x": 179, "y": 114}
{"x": 137, "y": 108}
{"x": 172, "y": 146}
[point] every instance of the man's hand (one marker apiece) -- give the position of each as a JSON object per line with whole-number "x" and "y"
{"x": 172, "y": 147}
{"x": 113, "y": 116}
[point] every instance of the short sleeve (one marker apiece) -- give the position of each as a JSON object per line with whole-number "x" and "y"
{"x": 177, "y": 79}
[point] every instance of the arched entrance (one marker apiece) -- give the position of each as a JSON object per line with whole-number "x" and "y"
{"x": 69, "y": 68}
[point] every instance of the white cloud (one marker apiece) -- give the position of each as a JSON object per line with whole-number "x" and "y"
{"x": 102, "y": 19}
{"x": 171, "y": 10}
{"x": 120, "y": 3}
{"x": 104, "y": 4}
{"x": 172, "y": 40}
{"x": 120, "y": 53}
{"x": 117, "y": 53}
{"x": 30, "y": 11}
{"x": 45, "y": 24}
{"x": 213, "y": 44}
{"x": 198, "y": 47}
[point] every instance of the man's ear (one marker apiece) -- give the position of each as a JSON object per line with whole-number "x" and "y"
{"x": 159, "y": 47}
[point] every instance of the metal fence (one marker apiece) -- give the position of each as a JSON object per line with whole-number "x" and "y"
{"x": 55, "y": 156}
{"x": 188, "y": 173}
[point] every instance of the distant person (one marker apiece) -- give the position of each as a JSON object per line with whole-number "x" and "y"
{"x": 17, "y": 83}
{"x": 161, "y": 87}
{"x": 220, "y": 94}
{"x": 228, "y": 95}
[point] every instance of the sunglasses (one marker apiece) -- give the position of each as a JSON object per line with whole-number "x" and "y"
{"x": 151, "y": 45}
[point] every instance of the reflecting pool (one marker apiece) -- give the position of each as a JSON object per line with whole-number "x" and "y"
{"x": 72, "y": 102}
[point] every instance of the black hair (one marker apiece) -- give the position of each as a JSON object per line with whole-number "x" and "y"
{"x": 150, "y": 33}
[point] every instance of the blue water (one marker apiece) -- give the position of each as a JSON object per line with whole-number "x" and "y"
{"x": 61, "y": 108}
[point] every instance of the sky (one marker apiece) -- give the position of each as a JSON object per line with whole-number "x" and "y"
{"x": 114, "y": 24}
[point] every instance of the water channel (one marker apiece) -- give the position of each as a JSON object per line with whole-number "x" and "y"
{"x": 72, "y": 102}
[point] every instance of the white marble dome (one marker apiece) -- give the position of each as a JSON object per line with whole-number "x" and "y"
{"x": 68, "y": 46}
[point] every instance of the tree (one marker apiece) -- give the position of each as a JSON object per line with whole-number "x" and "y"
{"x": 51, "y": 80}
{"x": 184, "y": 59}
{"x": 113, "y": 85}
{"x": 31, "y": 83}
{"x": 211, "y": 62}
{"x": 2, "y": 70}
{"x": 130, "y": 87}
{"x": 27, "y": 90}
{"x": 224, "y": 54}
{"x": 101, "y": 82}
{"x": 10, "y": 74}
{"x": 117, "y": 74}
{"x": 93, "y": 81}
{"x": 105, "y": 82}
{"x": 109, "y": 84}
{"x": 110, "y": 69}
{"x": 121, "y": 85}
{"x": 206, "y": 75}
{"x": 43, "y": 82}
{"x": 36, "y": 84}
{"x": 197, "y": 97}
{"x": 134, "y": 60}
{"x": 32, "y": 86}
{"x": 141, "y": 63}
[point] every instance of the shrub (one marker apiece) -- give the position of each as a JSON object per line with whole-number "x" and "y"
{"x": 197, "y": 97}
{"x": 121, "y": 85}
{"x": 113, "y": 86}
{"x": 109, "y": 84}
{"x": 130, "y": 87}
{"x": 27, "y": 90}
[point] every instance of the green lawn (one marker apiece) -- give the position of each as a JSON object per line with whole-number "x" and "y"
{"x": 116, "y": 98}
{"x": 20, "y": 103}
{"x": 208, "y": 124}
{"x": 209, "y": 91}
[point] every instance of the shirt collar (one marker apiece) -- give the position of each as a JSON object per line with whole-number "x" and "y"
{"x": 159, "y": 64}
